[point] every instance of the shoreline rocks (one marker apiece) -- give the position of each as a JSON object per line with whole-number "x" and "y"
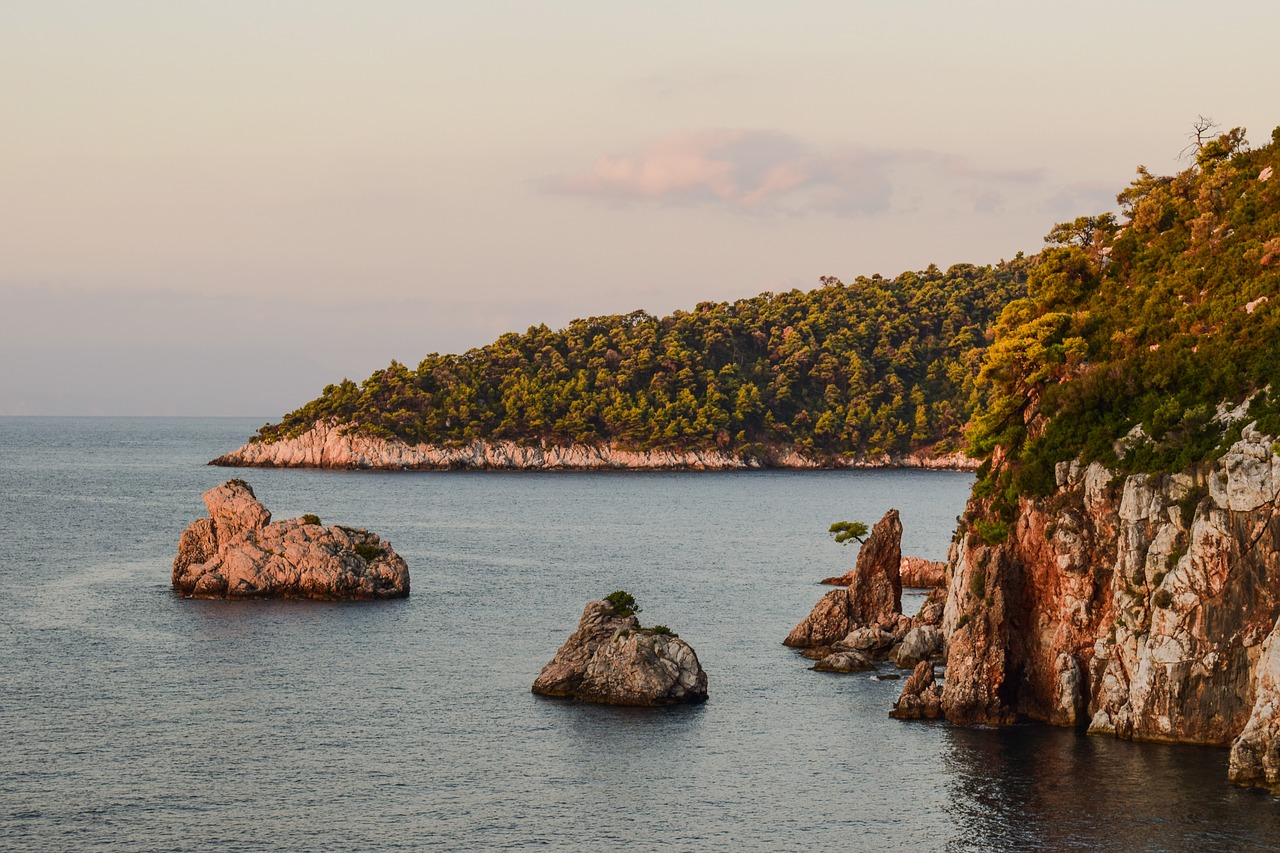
{"x": 612, "y": 660}
{"x": 331, "y": 445}
{"x": 239, "y": 552}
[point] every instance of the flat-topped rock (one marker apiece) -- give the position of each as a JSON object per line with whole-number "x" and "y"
{"x": 611, "y": 659}
{"x": 239, "y": 552}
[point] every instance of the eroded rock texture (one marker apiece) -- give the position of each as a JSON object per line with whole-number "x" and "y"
{"x": 874, "y": 591}
{"x": 921, "y": 698}
{"x": 851, "y": 628}
{"x": 1140, "y": 606}
{"x": 238, "y": 552}
{"x": 611, "y": 659}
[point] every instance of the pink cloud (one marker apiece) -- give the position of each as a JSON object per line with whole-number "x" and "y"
{"x": 765, "y": 171}
{"x": 771, "y": 172}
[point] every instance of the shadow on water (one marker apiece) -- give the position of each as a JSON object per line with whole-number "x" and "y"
{"x": 1036, "y": 787}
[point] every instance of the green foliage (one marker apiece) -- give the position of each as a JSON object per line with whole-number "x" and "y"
{"x": 310, "y": 518}
{"x": 1162, "y": 598}
{"x": 871, "y": 367}
{"x": 663, "y": 630}
{"x": 992, "y": 532}
{"x": 843, "y": 531}
{"x": 623, "y": 603}
{"x": 1132, "y": 335}
{"x": 367, "y": 551}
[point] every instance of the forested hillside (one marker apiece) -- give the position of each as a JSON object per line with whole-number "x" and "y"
{"x": 874, "y": 366}
{"x": 1134, "y": 331}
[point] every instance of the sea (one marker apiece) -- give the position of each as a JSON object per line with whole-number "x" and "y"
{"x": 131, "y": 719}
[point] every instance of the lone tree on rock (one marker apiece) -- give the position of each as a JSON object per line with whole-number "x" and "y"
{"x": 843, "y": 531}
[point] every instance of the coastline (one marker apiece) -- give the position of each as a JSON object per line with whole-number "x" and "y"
{"x": 325, "y": 445}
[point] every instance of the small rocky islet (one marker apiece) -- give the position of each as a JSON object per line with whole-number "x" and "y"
{"x": 238, "y": 552}
{"x": 852, "y": 628}
{"x": 611, "y": 659}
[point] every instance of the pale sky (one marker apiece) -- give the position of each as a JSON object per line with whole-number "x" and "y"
{"x": 216, "y": 208}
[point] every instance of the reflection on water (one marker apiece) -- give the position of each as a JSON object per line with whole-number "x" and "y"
{"x": 1034, "y": 787}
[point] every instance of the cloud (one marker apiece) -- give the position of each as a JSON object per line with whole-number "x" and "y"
{"x": 1080, "y": 198}
{"x": 771, "y": 172}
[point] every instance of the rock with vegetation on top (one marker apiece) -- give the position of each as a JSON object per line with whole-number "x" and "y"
{"x": 874, "y": 593}
{"x": 611, "y": 659}
{"x": 239, "y": 552}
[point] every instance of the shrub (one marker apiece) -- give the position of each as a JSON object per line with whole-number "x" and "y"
{"x": 992, "y": 532}
{"x": 369, "y": 552}
{"x": 622, "y": 602}
{"x": 1162, "y": 598}
{"x": 310, "y": 518}
{"x": 663, "y": 630}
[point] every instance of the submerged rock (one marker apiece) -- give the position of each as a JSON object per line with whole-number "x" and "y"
{"x": 238, "y": 552}
{"x": 611, "y": 659}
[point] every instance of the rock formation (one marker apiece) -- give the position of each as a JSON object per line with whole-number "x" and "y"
{"x": 611, "y": 659}
{"x": 238, "y": 552}
{"x": 913, "y": 571}
{"x": 863, "y": 622}
{"x": 920, "y": 699}
{"x": 923, "y": 574}
{"x": 873, "y": 593}
{"x": 1143, "y": 606}
{"x": 330, "y": 445}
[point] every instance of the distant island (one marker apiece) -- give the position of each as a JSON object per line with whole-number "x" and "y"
{"x": 876, "y": 372}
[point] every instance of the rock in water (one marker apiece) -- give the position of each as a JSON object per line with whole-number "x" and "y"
{"x": 921, "y": 699}
{"x": 923, "y": 574}
{"x": 238, "y": 552}
{"x": 611, "y": 659}
{"x": 874, "y": 592}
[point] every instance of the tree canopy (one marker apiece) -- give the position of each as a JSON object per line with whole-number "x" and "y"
{"x": 869, "y": 367}
{"x": 1132, "y": 335}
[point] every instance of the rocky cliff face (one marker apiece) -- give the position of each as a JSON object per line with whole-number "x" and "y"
{"x": 611, "y": 659}
{"x": 331, "y": 446}
{"x": 238, "y": 552}
{"x": 1144, "y": 607}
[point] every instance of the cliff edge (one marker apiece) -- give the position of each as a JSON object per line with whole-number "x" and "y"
{"x": 1144, "y": 607}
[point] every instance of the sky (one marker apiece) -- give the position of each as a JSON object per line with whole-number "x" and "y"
{"x": 219, "y": 208}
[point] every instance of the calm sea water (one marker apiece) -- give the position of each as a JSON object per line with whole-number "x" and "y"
{"x": 132, "y": 720}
